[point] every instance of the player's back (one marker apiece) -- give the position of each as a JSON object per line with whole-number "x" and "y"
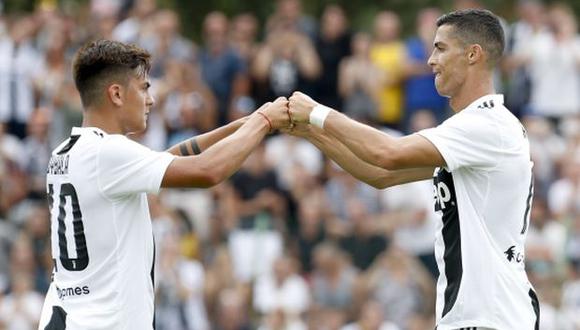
{"x": 102, "y": 244}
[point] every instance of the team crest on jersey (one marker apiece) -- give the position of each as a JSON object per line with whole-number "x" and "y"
{"x": 512, "y": 255}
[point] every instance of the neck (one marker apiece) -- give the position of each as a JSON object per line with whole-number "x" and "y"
{"x": 101, "y": 118}
{"x": 474, "y": 87}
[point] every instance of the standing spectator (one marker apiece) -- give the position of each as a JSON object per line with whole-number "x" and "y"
{"x": 20, "y": 310}
{"x": 289, "y": 14}
{"x": 359, "y": 80}
{"x": 37, "y": 228}
{"x": 189, "y": 107}
{"x": 420, "y": 92}
{"x": 286, "y": 62}
{"x": 332, "y": 45}
{"x": 37, "y": 151}
{"x": 287, "y": 153}
{"x": 547, "y": 147}
{"x": 261, "y": 210}
{"x": 554, "y": 59}
{"x": 531, "y": 22}
{"x": 388, "y": 53}
{"x": 564, "y": 193}
{"x": 221, "y": 67}
{"x": 19, "y": 62}
{"x": 8, "y": 234}
{"x": 180, "y": 287}
{"x": 243, "y": 33}
{"x": 166, "y": 42}
{"x": 134, "y": 27}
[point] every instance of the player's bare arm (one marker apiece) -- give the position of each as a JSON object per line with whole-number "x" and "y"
{"x": 221, "y": 160}
{"x": 347, "y": 160}
{"x": 367, "y": 143}
{"x": 198, "y": 144}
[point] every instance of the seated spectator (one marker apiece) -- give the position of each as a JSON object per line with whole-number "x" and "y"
{"x": 312, "y": 230}
{"x": 333, "y": 278}
{"x": 179, "y": 290}
{"x": 371, "y": 317}
{"x": 402, "y": 286}
{"x": 21, "y": 308}
{"x": 364, "y": 242}
{"x": 282, "y": 290}
{"x": 232, "y": 312}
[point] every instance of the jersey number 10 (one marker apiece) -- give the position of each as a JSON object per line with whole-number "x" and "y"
{"x": 68, "y": 192}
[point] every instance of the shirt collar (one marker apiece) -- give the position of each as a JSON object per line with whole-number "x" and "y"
{"x": 81, "y": 130}
{"x": 487, "y": 101}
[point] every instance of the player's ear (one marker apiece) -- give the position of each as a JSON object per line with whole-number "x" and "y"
{"x": 115, "y": 94}
{"x": 474, "y": 53}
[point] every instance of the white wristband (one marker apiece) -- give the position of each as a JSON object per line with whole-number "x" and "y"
{"x": 318, "y": 115}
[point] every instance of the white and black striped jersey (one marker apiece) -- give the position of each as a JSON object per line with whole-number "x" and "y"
{"x": 484, "y": 196}
{"x": 102, "y": 240}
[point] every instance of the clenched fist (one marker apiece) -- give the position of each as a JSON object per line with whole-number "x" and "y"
{"x": 300, "y": 106}
{"x": 277, "y": 113}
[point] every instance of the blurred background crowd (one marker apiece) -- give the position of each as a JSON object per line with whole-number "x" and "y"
{"x": 290, "y": 241}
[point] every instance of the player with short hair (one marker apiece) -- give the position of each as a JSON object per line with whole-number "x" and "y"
{"x": 97, "y": 180}
{"x": 483, "y": 180}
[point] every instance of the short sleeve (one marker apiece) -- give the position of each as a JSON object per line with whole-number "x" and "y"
{"x": 467, "y": 139}
{"x": 126, "y": 167}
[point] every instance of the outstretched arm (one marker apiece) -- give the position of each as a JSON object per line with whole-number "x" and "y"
{"x": 363, "y": 171}
{"x": 199, "y": 143}
{"x": 367, "y": 143}
{"x": 221, "y": 160}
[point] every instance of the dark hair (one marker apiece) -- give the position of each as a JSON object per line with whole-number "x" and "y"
{"x": 477, "y": 26}
{"x": 102, "y": 62}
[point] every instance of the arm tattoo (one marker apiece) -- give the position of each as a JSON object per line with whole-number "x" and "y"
{"x": 192, "y": 144}
{"x": 183, "y": 150}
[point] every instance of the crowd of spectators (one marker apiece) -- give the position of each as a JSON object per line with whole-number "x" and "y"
{"x": 291, "y": 241}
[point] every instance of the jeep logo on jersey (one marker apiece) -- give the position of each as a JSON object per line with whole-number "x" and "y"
{"x": 444, "y": 190}
{"x": 513, "y": 255}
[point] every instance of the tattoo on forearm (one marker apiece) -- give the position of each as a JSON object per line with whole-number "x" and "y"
{"x": 195, "y": 150}
{"x": 194, "y": 146}
{"x": 183, "y": 149}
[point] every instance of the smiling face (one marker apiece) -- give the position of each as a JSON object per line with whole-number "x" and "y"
{"x": 137, "y": 102}
{"x": 449, "y": 61}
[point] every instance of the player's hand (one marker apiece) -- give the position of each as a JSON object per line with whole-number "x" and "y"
{"x": 300, "y": 106}
{"x": 277, "y": 113}
{"x": 301, "y": 130}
